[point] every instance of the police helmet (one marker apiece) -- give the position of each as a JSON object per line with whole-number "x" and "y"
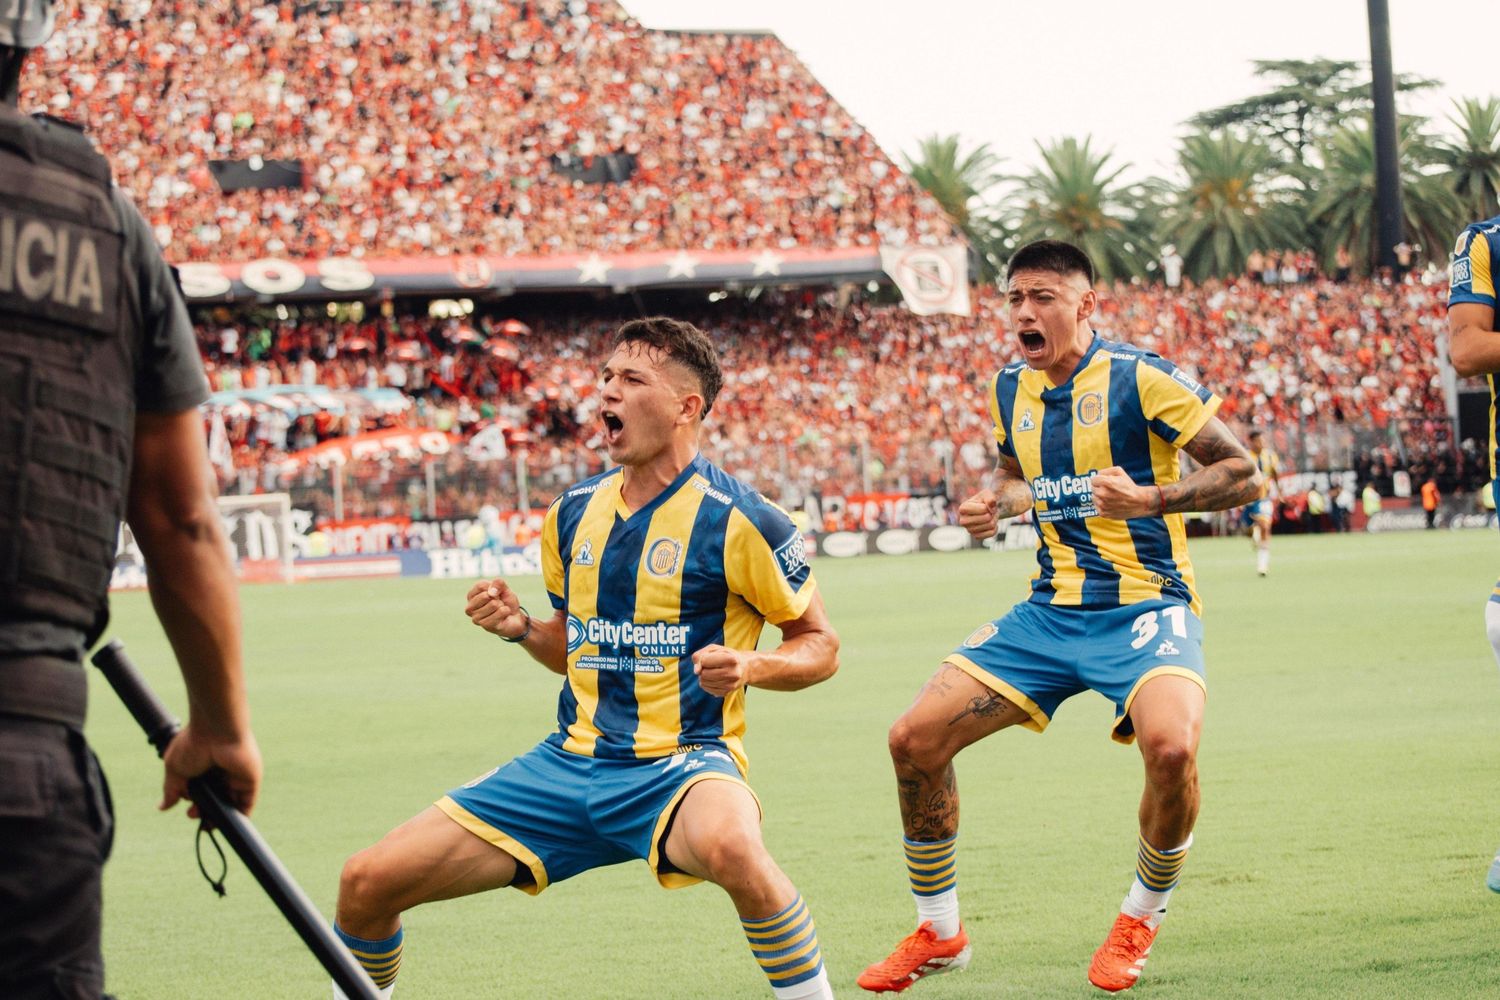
{"x": 26, "y": 24}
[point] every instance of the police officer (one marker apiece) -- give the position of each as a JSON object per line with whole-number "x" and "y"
{"x": 99, "y": 384}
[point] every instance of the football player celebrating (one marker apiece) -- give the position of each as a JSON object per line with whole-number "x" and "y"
{"x": 662, "y": 573}
{"x": 1089, "y": 433}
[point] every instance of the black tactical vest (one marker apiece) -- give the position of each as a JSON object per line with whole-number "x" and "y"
{"x": 69, "y": 340}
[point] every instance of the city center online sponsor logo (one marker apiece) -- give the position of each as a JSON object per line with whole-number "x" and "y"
{"x": 649, "y": 644}
{"x": 1067, "y": 497}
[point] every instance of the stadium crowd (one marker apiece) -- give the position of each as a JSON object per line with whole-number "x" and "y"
{"x": 826, "y": 396}
{"x": 450, "y": 130}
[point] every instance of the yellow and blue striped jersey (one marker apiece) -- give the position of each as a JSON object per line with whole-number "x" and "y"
{"x": 1472, "y": 279}
{"x": 707, "y": 561}
{"x": 1123, "y": 406}
{"x": 1267, "y": 462}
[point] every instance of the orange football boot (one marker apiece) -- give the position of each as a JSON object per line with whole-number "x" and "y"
{"x": 921, "y": 953}
{"x": 1118, "y": 963}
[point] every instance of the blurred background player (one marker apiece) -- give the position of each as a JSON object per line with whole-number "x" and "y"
{"x": 99, "y": 386}
{"x": 1112, "y": 605}
{"x": 662, "y": 573}
{"x": 1262, "y": 512}
{"x": 1475, "y": 350}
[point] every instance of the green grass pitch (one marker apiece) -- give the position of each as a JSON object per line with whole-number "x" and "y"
{"x": 1348, "y": 764}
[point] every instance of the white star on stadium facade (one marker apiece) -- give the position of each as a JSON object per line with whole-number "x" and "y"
{"x": 595, "y": 268}
{"x": 767, "y": 262}
{"x": 682, "y": 266}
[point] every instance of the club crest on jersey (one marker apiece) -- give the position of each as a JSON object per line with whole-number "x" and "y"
{"x": 1090, "y": 409}
{"x": 981, "y": 635}
{"x": 1026, "y": 424}
{"x": 584, "y": 554}
{"x": 662, "y": 557}
{"x": 1462, "y": 244}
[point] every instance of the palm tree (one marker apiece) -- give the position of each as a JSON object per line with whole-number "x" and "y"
{"x": 1473, "y": 158}
{"x": 1076, "y": 196}
{"x": 958, "y": 184}
{"x": 955, "y": 183}
{"x": 1342, "y": 211}
{"x": 1225, "y": 212}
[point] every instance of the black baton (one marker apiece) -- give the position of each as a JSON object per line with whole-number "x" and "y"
{"x": 205, "y": 791}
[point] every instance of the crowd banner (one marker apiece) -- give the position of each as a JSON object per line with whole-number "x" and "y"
{"x": 400, "y": 442}
{"x": 273, "y": 279}
{"x": 932, "y": 279}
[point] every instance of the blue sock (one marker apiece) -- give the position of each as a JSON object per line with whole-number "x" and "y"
{"x": 381, "y": 959}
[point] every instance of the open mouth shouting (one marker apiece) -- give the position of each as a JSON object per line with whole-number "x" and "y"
{"x": 613, "y": 427}
{"x": 1033, "y": 345}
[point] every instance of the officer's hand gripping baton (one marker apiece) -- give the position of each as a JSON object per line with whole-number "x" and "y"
{"x": 207, "y": 794}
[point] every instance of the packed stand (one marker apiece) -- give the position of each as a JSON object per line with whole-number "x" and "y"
{"x": 823, "y": 397}
{"x": 440, "y": 127}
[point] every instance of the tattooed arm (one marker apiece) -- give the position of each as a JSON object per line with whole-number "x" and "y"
{"x": 980, "y": 514}
{"x": 1228, "y": 478}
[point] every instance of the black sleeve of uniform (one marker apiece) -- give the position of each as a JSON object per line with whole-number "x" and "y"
{"x": 169, "y": 373}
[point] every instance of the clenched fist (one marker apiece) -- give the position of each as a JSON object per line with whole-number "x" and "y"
{"x": 721, "y": 670}
{"x": 494, "y": 607}
{"x": 1117, "y": 496}
{"x": 980, "y": 514}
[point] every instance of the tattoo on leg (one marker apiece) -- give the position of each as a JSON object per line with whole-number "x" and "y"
{"x": 942, "y": 682}
{"x": 929, "y": 808}
{"x": 985, "y": 707}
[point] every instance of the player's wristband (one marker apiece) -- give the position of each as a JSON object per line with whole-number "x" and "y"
{"x": 524, "y": 632}
{"x": 1160, "y": 497}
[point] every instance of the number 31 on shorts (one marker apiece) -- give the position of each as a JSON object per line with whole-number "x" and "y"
{"x": 1146, "y": 627}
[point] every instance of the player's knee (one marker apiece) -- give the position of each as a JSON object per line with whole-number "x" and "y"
{"x": 1170, "y": 760}
{"x": 912, "y": 744}
{"x": 360, "y": 887}
{"x": 735, "y": 857}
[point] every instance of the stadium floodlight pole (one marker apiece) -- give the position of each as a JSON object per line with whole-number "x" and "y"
{"x": 1387, "y": 163}
{"x": 207, "y": 794}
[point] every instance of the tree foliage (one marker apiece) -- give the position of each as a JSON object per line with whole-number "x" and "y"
{"x": 1307, "y": 100}
{"x": 1342, "y": 212}
{"x": 958, "y": 183}
{"x": 1224, "y": 212}
{"x": 1290, "y": 167}
{"x": 1472, "y": 158}
{"x": 1076, "y": 196}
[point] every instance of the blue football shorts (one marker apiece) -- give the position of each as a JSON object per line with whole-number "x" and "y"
{"x": 1259, "y": 508}
{"x": 1040, "y": 655}
{"x": 560, "y": 813}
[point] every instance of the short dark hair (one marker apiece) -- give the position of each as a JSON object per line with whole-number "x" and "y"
{"x": 683, "y": 343}
{"x": 1051, "y": 255}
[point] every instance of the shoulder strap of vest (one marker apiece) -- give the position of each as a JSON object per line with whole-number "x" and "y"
{"x": 59, "y": 143}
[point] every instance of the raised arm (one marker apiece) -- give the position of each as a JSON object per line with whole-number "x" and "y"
{"x": 808, "y": 653}
{"x": 1472, "y": 345}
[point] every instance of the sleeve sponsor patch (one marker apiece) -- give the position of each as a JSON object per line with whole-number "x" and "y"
{"x": 1188, "y": 382}
{"x": 1462, "y": 273}
{"x": 792, "y": 556}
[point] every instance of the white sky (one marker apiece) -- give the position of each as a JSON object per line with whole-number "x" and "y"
{"x": 1126, "y": 72}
